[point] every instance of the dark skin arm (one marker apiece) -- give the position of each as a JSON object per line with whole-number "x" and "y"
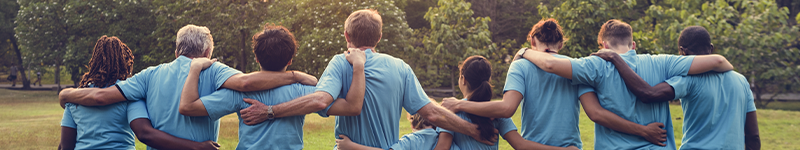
{"x": 68, "y": 140}
{"x": 445, "y": 141}
{"x": 161, "y": 140}
{"x": 752, "y": 141}
{"x": 652, "y": 132}
{"x": 662, "y": 92}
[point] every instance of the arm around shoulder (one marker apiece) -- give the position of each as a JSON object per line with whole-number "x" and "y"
{"x": 713, "y": 62}
{"x": 91, "y": 96}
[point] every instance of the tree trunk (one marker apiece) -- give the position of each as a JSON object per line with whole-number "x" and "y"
{"x": 57, "y": 74}
{"x": 25, "y": 83}
{"x": 243, "y": 52}
{"x": 453, "y": 81}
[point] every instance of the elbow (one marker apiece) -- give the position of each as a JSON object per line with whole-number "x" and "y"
{"x": 507, "y": 112}
{"x": 245, "y": 84}
{"x": 145, "y": 137}
{"x": 594, "y": 116}
{"x": 184, "y": 111}
{"x": 548, "y": 66}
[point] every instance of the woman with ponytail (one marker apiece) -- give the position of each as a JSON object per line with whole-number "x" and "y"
{"x": 475, "y": 74}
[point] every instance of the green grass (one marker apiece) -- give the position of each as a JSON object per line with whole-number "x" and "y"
{"x": 31, "y": 120}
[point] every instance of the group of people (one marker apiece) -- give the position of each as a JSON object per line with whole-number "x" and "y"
{"x": 177, "y": 105}
{"x": 12, "y": 76}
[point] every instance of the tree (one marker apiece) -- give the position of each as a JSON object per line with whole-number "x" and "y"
{"x": 456, "y": 35}
{"x": 8, "y": 12}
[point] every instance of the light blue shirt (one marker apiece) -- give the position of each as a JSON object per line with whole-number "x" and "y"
{"x": 550, "y": 104}
{"x": 104, "y": 127}
{"x": 714, "y": 108}
{"x": 420, "y": 140}
{"x": 390, "y": 86}
{"x": 280, "y": 133}
{"x": 160, "y": 87}
{"x": 462, "y": 141}
{"x": 615, "y": 96}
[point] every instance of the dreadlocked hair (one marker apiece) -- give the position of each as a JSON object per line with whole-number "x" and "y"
{"x": 111, "y": 60}
{"x": 477, "y": 71}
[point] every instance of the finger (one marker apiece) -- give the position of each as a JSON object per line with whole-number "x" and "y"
{"x": 663, "y": 135}
{"x": 660, "y": 125}
{"x": 214, "y": 60}
{"x": 661, "y": 144}
{"x": 663, "y": 131}
{"x": 249, "y": 101}
{"x": 662, "y": 139}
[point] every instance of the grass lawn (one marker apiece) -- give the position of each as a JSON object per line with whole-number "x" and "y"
{"x": 31, "y": 120}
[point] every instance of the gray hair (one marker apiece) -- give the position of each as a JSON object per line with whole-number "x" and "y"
{"x": 193, "y": 41}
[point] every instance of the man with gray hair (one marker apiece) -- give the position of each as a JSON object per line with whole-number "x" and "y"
{"x": 160, "y": 86}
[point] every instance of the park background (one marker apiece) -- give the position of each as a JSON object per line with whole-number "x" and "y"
{"x": 55, "y": 37}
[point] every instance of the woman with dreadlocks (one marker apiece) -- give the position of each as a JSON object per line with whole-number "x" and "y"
{"x": 112, "y": 126}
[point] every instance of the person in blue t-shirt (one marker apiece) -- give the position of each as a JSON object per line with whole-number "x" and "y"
{"x": 718, "y": 108}
{"x": 160, "y": 87}
{"x": 612, "y": 93}
{"x": 550, "y": 109}
{"x": 390, "y": 86}
{"x": 274, "y": 48}
{"x": 424, "y": 136}
{"x": 113, "y": 126}
{"x": 474, "y": 76}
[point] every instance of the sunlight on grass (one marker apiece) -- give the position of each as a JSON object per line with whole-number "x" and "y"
{"x": 31, "y": 120}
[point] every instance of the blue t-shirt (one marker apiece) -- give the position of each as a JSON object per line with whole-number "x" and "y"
{"x": 714, "y": 108}
{"x": 615, "y": 96}
{"x": 104, "y": 127}
{"x": 390, "y": 86}
{"x": 420, "y": 140}
{"x": 280, "y": 133}
{"x": 550, "y": 104}
{"x": 503, "y": 125}
{"x": 160, "y": 87}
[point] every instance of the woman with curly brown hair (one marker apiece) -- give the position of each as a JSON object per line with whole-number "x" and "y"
{"x": 112, "y": 126}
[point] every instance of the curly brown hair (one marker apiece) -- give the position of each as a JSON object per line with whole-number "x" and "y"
{"x": 111, "y": 60}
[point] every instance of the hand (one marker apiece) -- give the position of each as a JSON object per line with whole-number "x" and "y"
{"x": 606, "y": 54}
{"x": 255, "y": 114}
{"x": 202, "y": 63}
{"x": 451, "y": 103}
{"x": 572, "y": 148}
{"x": 654, "y": 134}
{"x": 345, "y": 143}
{"x": 356, "y": 56}
{"x": 208, "y": 145}
{"x": 304, "y": 78}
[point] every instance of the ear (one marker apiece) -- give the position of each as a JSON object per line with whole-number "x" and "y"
{"x": 533, "y": 42}
{"x": 712, "y": 48}
{"x": 681, "y": 50}
{"x": 346, "y": 37}
{"x": 634, "y": 45}
{"x": 176, "y": 53}
{"x": 560, "y": 45}
{"x": 605, "y": 45}
{"x": 290, "y": 62}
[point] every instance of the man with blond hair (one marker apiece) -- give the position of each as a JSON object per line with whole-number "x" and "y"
{"x": 390, "y": 86}
{"x": 160, "y": 86}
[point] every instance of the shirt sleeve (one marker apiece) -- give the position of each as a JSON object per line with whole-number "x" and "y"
{"x": 66, "y": 120}
{"x": 331, "y": 80}
{"x": 135, "y": 87}
{"x": 583, "y": 89}
{"x": 406, "y": 143}
{"x": 504, "y": 125}
{"x": 136, "y": 110}
{"x": 440, "y": 130}
{"x": 414, "y": 97}
{"x": 586, "y": 70}
{"x": 222, "y": 73}
{"x": 223, "y": 102}
{"x": 749, "y": 99}
{"x": 675, "y": 65}
{"x": 680, "y": 84}
{"x": 515, "y": 80}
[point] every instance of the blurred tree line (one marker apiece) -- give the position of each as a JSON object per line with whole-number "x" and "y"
{"x": 433, "y": 36}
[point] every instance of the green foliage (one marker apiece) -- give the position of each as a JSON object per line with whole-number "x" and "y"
{"x": 8, "y": 11}
{"x": 319, "y": 30}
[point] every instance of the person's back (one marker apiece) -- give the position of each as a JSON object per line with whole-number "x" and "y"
{"x": 262, "y": 136}
{"x": 615, "y": 97}
{"x": 160, "y": 87}
{"x": 461, "y": 141}
{"x": 390, "y": 86}
{"x": 550, "y": 109}
{"x": 103, "y": 127}
{"x": 714, "y": 107}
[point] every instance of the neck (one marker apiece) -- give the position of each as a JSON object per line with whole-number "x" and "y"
{"x": 423, "y": 128}
{"x": 363, "y": 48}
{"x": 282, "y": 70}
{"x": 466, "y": 94}
{"x": 620, "y": 49}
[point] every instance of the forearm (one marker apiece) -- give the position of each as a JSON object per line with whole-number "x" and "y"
{"x": 158, "y": 139}
{"x": 517, "y": 142}
{"x": 638, "y": 86}
{"x": 606, "y": 118}
{"x": 307, "y": 104}
{"x": 704, "y": 63}
{"x": 751, "y": 134}
{"x": 190, "y": 103}
{"x": 352, "y": 103}
{"x": 259, "y": 81}
{"x": 68, "y": 138}
{"x": 447, "y": 120}
{"x": 549, "y": 63}
{"x": 491, "y": 109}
{"x": 91, "y": 96}
{"x": 445, "y": 141}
